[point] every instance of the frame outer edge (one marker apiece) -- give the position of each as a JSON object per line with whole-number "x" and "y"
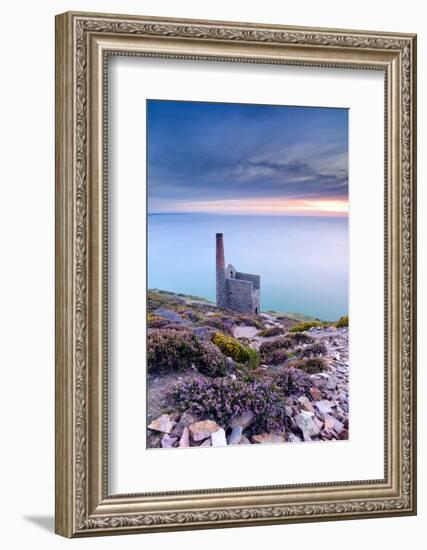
{"x": 73, "y": 511}
{"x": 64, "y": 238}
{"x": 413, "y": 253}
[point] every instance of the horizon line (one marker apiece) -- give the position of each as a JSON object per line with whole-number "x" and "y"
{"x": 253, "y": 214}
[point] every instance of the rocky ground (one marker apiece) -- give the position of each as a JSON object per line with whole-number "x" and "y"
{"x": 315, "y": 408}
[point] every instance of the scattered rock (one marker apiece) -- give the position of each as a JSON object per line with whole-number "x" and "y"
{"x": 230, "y": 361}
{"x": 201, "y": 332}
{"x": 316, "y": 394}
{"x": 244, "y": 420}
{"x": 289, "y": 410}
{"x": 153, "y": 439}
{"x": 203, "y": 429}
{"x": 244, "y": 331}
{"x": 331, "y": 384}
{"x": 268, "y": 438}
{"x": 185, "y": 438}
{"x": 292, "y": 438}
{"x": 235, "y": 436}
{"x": 168, "y": 441}
{"x": 244, "y": 441}
{"x": 321, "y": 375}
{"x": 305, "y": 404}
{"x": 169, "y": 315}
{"x": 329, "y": 422}
{"x": 218, "y": 438}
{"x": 324, "y": 406}
{"x": 184, "y": 421}
{"x": 318, "y": 422}
{"x": 162, "y": 424}
{"x": 305, "y": 423}
{"x": 344, "y": 434}
{"x": 332, "y": 423}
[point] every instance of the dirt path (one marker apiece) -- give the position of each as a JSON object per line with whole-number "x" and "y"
{"x": 158, "y": 388}
{"x": 245, "y": 332}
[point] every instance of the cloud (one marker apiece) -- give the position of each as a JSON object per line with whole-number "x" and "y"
{"x": 237, "y": 156}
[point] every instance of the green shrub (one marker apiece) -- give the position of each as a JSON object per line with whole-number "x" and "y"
{"x": 301, "y": 338}
{"x": 244, "y": 340}
{"x": 273, "y": 331}
{"x": 153, "y": 321}
{"x": 314, "y": 350}
{"x": 266, "y": 349}
{"x": 287, "y": 343}
{"x": 306, "y": 325}
{"x": 278, "y": 356}
{"x": 237, "y": 351}
{"x": 192, "y": 315}
{"x": 293, "y": 381}
{"x": 249, "y": 322}
{"x": 224, "y": 325}
{"x": 157, "y": 300}
{"x": 178, "y": 350}
{"x": 310, "y": 365}
{"x": 342, "y": 322}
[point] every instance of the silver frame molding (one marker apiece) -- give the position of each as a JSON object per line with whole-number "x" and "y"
{"x": 83, "y": 43}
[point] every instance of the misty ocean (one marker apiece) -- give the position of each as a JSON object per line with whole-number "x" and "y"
{"x": 302, "y": 261}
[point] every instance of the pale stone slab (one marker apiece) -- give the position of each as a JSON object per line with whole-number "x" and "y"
{"x": 268, "y": 438}
{"x": 162, "y": 424}
{"x": 218, "y": 438}
{"x": 203, "y": 429}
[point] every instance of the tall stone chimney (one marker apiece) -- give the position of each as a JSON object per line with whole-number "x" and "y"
{"x": 220, "y": 261}
{"x": 221, "y": 285}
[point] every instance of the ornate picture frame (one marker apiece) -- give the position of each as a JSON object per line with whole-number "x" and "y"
{"x": 84, "y": 42}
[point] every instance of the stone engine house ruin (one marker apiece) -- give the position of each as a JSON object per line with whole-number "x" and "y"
{"x": 235, "y": 290}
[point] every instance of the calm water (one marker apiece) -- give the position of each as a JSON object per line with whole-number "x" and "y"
{"x": 303, "y": 262}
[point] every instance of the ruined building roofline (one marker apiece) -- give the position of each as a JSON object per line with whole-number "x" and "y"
{"x": 254, "y": 279}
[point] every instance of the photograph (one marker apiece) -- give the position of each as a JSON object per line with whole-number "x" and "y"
{"x": 247, "y": 334}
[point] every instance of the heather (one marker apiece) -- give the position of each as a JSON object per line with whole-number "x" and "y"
{"x": 311, "y": 365}
{"x": 171, "y": 349}
{"x": 272, "y": 331}
{"x": 248, "y": 377}
{"x": 314, "y": 350}
{"x": 222, "y": 400}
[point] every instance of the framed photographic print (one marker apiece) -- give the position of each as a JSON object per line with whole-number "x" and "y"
{"x": 235, "y": 274}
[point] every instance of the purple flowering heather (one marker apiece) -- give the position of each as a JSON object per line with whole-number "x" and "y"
{"x": 178, "y": 350}
{"x": 222, "y": 399}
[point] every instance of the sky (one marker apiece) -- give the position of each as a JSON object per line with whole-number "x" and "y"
{"x": 228, "y": 158}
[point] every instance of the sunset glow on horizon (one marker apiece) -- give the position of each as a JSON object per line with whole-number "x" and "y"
{"x": 270, "y": 206}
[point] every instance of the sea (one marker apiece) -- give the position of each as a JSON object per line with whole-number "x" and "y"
{"x": 302, "y": 261}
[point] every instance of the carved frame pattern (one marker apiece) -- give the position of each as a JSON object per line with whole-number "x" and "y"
{"x": 84, "y": 508}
